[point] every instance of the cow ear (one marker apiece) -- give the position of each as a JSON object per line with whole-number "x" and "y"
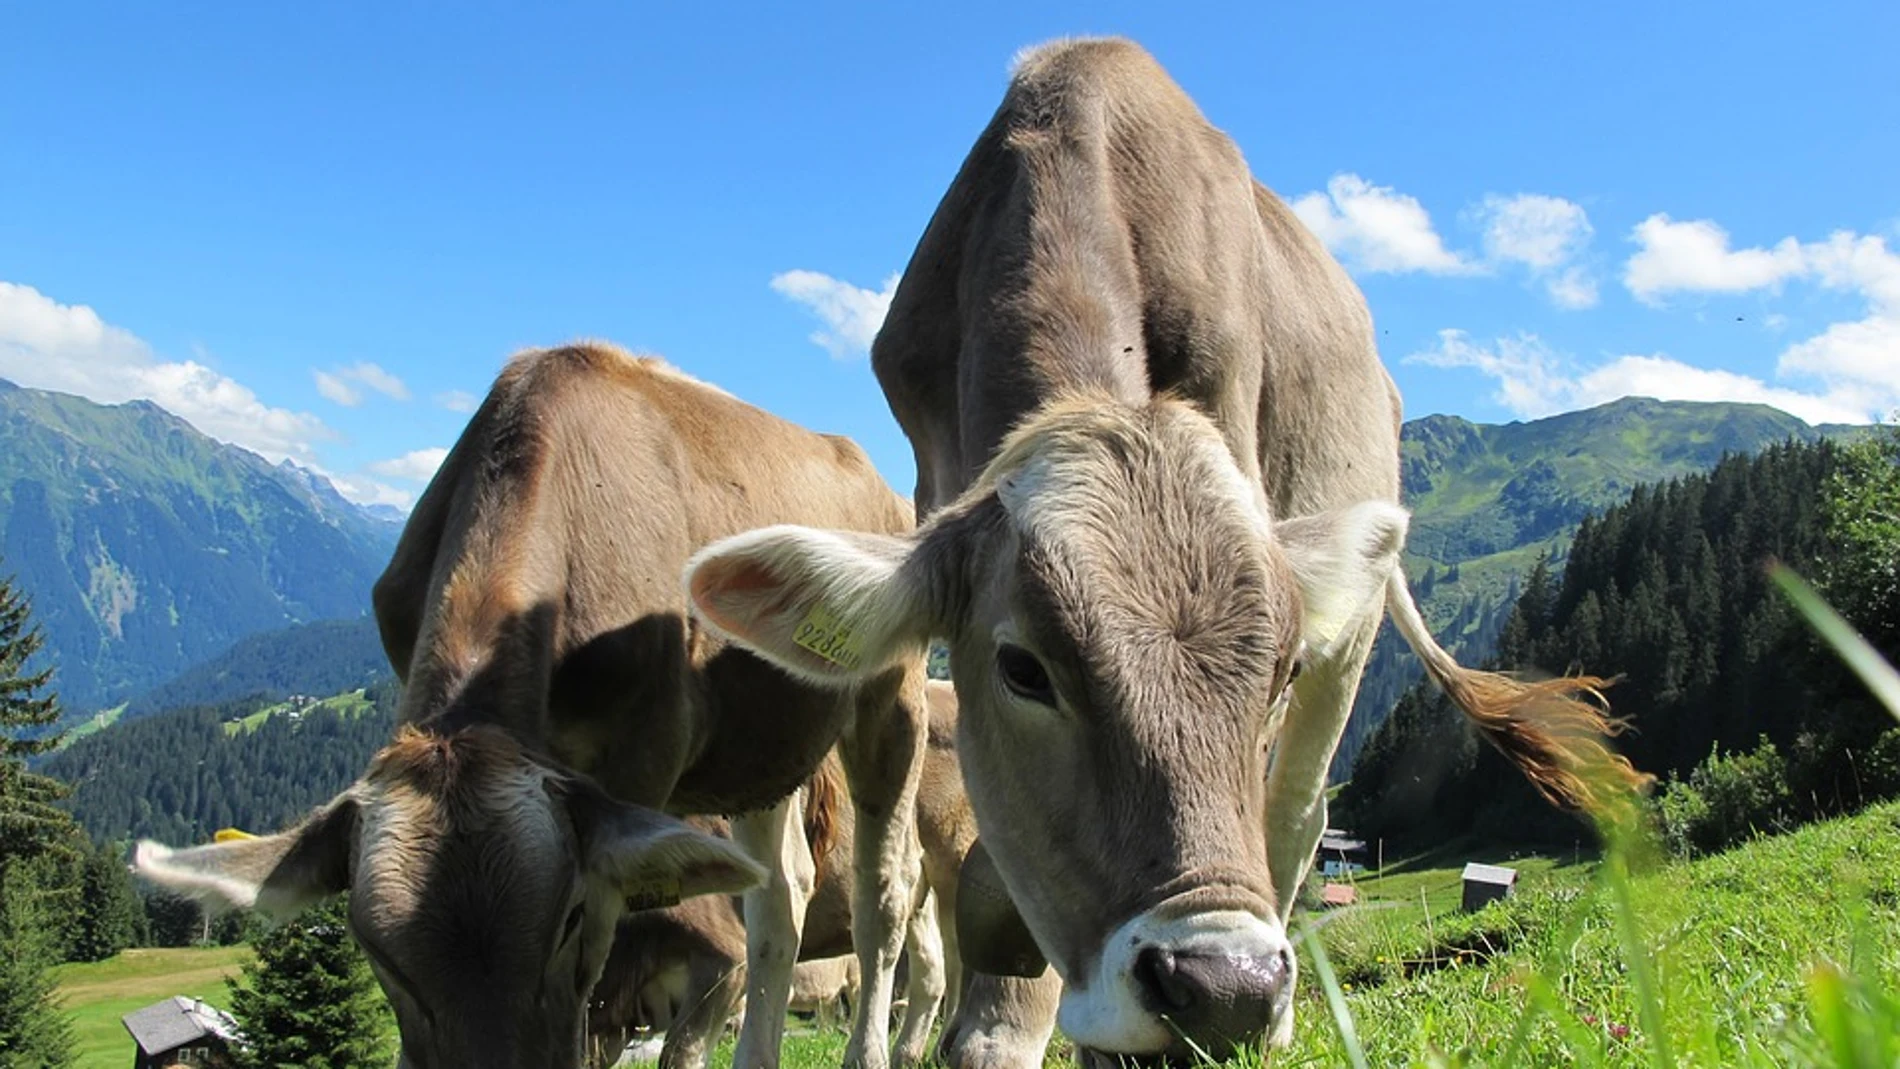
{"x": 1342, "y": 560}
{"x": 830, "y": 607}
{"x": 652, "y": 860}
{"x": 279, "y": 875}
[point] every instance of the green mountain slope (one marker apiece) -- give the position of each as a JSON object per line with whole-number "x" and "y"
{"x": 324, "y": 657}
{"x": 1489, "y": 499}
{"x": 250, "y": 764}
{"x": 1479, "y": 492}
{"x": 148, "y": 547}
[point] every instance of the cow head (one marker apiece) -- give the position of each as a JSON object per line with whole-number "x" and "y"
{"x": 484, "y": 888}
{"x": 1124, "y": 622}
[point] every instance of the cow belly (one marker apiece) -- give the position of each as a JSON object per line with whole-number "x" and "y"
{"x": 768, "y": 736}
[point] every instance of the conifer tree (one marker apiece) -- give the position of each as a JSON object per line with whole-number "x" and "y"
{"x": 30, "y": 824}
{"x": 310, "y": 1000}
{"x": 33, "y": 1030}
{"x": 110, "y": 916}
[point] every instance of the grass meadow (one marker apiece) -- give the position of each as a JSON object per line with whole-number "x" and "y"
{"x": 1782, "y": 952}
{"x": 96, "y": 994}
{"x": 1785, "y": 951}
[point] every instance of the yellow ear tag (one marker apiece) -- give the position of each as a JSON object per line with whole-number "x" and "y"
{"x": 226, "y": 835}
{"x": 657, "y": 893}
{"x": 829, "y": 637}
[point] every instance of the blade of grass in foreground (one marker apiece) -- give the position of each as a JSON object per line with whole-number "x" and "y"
{"x": 1335, "y": 998}
{"x": 1865, "y": 661}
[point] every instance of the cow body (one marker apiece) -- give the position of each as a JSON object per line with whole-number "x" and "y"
{"x": 535, "y": 593}
{"x": 1158, "y": 457}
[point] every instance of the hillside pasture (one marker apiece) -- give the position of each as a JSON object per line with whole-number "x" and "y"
{"x": 1785, "y": 951}
{"x": 96, "y": 994}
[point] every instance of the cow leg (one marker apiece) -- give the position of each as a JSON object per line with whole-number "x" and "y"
{"x": 713, "y": 989}
{"x": 883, "y": 754}
{"x": 925, "y": 990}
{"x": 1001, "y": 1022}
{"x": 774, "y": 924}
{"x": 1296, "y": 781}
{"x": 940, "y": 874}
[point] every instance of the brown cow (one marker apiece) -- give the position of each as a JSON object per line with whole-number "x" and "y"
{"x": 682, "y": 969}
{"x": 535, "y": 596}
{"x": 677, "y": 966}
{"x": 1159, "y": 457}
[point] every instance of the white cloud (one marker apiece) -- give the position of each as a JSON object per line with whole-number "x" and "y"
{"x": 1377, "y": 230}
{"x": 1544, "y": 234}
{"x": 379, "y": 380}
{"x": 1534, "y": 381}
{"x": 415, "y": 466}
{"x": 335, "y": 384}
{"x": 53, "y": 346}
{"x": 851, "y": 315}
{"x": 1532, "y": 229}
{"x": 1694, "y": 257}
{"x": 457, "y": 400}
{"x": 1856, "y": 362}
{"x": 335, "y": 389}
{"x": 367, "y": 491}
{"x": 1573, "y": 288}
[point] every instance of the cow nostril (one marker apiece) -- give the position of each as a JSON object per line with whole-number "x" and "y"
{"x": 1160, "y": 977}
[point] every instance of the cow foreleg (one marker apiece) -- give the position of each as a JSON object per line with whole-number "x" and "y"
{"x": 925, "y": 990}
{"x": 714, "y": 987}
{"x": 883, "y": 754}
{"x": 1001, "y": 1022}
{"x": 774, "y": 924}
{"x": 1296, "y": 781}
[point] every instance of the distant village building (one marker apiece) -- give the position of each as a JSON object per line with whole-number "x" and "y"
{"x": 1335, "y": 895}
{"x": 181, "y": 1031}
{"x": 1340, "y": 854}
{"x": 1487, "y": 883}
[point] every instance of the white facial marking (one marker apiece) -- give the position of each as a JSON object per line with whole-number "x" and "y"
{"x": 1104, "y": 1011}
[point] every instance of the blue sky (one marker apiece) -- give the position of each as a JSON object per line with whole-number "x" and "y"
{"x": 318, "y": 230}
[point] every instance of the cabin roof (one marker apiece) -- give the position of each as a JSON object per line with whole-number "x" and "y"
{"x": 1490, "y": 874}
{"x": 175, "y": 1022}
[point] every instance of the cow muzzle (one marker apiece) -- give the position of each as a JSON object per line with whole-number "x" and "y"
{"x": 1205, "y": 983}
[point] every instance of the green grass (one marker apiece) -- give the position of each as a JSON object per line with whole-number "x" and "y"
{"x": 1785, "y": 951}
{"x": 349, "y": 704}
{"x": 96, "y": 722}
{"x": 97, "y": 994}
{"x": 1771, "y": 954}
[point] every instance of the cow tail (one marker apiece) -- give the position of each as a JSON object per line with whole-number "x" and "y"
{"x": 824, "y": 795}
{"x": 1554, "y": 730}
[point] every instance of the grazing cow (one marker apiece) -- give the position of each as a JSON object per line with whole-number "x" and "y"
{"x": 535, "y": 595}
{"x": 681, "y": 969}
{"x": 1159, "y": 460}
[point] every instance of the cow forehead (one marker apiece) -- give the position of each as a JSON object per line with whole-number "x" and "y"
{"x": 1140, "y": 535}
{"x": 438, "y": 842}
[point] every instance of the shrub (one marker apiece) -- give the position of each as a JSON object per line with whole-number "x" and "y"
{"x": 1727, "y": 799}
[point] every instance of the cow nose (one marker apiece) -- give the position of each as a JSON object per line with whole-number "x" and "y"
{"x": 1217, "y": 1000}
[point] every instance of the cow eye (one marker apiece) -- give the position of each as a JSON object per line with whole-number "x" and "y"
{"x": 1024, "y": 675}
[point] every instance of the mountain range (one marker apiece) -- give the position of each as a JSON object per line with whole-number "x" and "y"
{"x": 148, "y": 547}
{"x": 168, "y": 568}
{"x": 1488, "y": 500}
